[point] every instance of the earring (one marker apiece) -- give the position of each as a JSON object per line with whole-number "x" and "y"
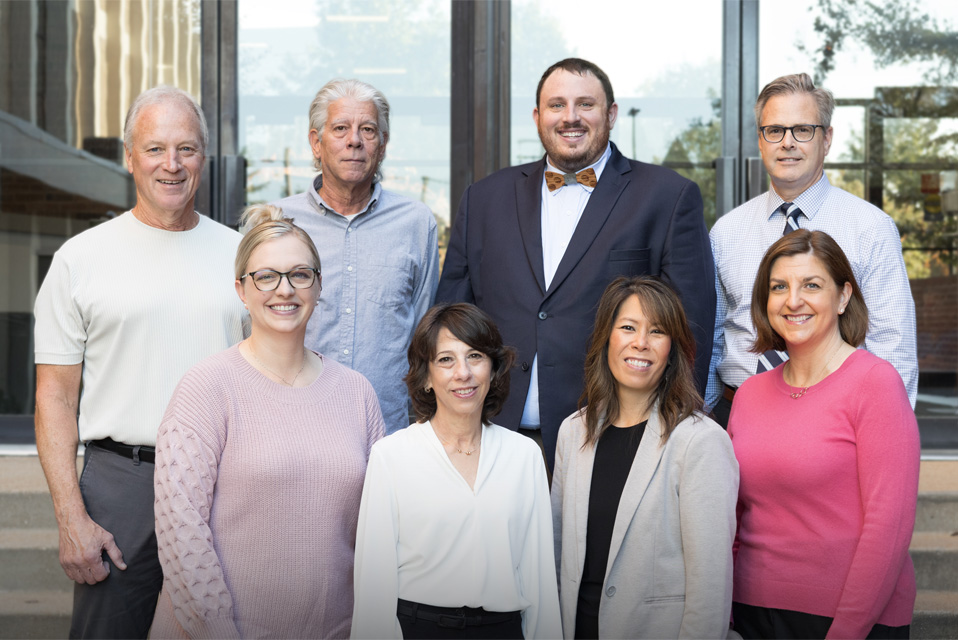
{"x": 428, "y": 389}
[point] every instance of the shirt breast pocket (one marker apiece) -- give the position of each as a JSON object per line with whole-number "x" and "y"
{"x": 629, "y": 262}
{"x": 389, "y": 282}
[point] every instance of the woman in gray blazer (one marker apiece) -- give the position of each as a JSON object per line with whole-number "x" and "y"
{"x": 645, "y": 485}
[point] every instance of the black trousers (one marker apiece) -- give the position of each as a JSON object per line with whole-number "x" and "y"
{"x": 414, "y": 626}
{"x": 762, "y": 622}
{"x": 118, "y": 495}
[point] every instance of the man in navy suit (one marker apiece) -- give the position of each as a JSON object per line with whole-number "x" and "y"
{"x": 535, "y": 246}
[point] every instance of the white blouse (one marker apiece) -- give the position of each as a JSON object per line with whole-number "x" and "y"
{"x": 425, "y": 536}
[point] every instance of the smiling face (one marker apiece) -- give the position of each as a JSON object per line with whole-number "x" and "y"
{"x": 166, "y": 161}
{"x": 459, "y": 376}
{"x": 638, "y": 353}
{"x": 793, "y": 166}
{"x": 804, "y": 301}
{"x": 350, "y": 148}
{"x": 573, "y": 119}
{"x": 285, "y": 309}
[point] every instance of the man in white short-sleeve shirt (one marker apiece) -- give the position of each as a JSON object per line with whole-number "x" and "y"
{"x": 126, "y": 309}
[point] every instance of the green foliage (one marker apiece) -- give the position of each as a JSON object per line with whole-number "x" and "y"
{"x": 896, "y": 32}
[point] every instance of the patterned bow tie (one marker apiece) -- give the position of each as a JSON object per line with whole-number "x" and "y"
{"x": 558, "y": 180}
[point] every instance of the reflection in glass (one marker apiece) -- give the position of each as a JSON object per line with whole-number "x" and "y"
{"x": 286, "y": 56}
{"x": 78, "y": 66}
{"x": 668, "y": 95}
{"x": 893, "y": 68}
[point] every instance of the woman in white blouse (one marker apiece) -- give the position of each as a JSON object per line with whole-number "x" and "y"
{"x": 455, "y": 526}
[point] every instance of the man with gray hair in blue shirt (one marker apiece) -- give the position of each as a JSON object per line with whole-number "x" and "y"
{"x": 379, "y": 249}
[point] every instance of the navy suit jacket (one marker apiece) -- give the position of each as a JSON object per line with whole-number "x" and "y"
{"x": 640, "y": 219}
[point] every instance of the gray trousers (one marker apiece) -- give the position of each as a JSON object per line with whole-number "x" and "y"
{"x": 118, "y": 495}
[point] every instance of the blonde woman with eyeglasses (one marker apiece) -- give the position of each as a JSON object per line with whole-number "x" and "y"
{"x": 260, "y": 463}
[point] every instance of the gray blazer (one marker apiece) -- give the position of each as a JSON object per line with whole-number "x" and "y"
{"x": 670, "y": 563}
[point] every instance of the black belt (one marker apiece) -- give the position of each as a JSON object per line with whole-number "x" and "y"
{"x": 136, "y": 453}
{"x": 729, "y": 392}
{"x": 454, "y": 618}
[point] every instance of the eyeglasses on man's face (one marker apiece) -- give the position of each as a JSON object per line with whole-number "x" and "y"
{"x": 268, "y": 279}
{"x": 801, "y": 132}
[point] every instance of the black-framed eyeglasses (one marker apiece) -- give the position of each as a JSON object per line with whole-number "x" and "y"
{"x": 268, "y": 279}
{"x": 801, "y": 132}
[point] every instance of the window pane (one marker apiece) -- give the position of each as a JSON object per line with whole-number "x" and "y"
{"x": 74, "y": 68}
{"x": 285, "y": 57}
{"x": 892, "y": 68}
{"x": 668, "y": 96}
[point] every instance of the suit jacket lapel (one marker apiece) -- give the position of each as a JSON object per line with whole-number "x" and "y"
{"x": 529, "y": 211}
{"x": 644, "y": 466}
{"x": 606, "y": 193}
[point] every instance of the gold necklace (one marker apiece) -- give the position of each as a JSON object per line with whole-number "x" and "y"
{"x": 249, "y": 347}
{"x": 458, "y": 450}
{"x": 798, "y": 394}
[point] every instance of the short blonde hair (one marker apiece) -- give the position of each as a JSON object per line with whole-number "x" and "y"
{"x": 264, "y": 222}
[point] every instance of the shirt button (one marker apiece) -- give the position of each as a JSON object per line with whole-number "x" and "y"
{"x": 348, "y": 310}
{"x": 349, "y": 268}
{"x": 349, "y": 230}
{"x": 543, "y": 315}
{"x": 610, "y": 591}
{"x": 346, "y": 351}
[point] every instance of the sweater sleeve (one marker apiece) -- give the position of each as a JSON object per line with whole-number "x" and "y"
{"x": 888, "y": 454}
{"x": 376, "y": 570}
{"x": 189, "y": 445}
{"x": 375, "y": 426}
{"x": 537, "y": 567}
{"x": 708, "y": 492}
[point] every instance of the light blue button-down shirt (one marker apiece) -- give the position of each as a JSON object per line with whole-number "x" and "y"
{"x": 380, "y": 272}
{"x": 870, "y": 240}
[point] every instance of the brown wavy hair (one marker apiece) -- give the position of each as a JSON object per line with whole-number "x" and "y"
{"x": 676, "y": 395}
{"x": 852, "y": 324}
{"x": 472, "y": 326}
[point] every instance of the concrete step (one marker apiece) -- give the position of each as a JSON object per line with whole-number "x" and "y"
{"x": 35, "y": 614}
{"x": 937, "y": 512}
{"x": 936, "y": 615}
{"x": 30, "y": 561}
{"x": 935, "y": 555}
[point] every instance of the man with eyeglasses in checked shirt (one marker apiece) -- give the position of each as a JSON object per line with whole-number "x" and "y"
{"x": 795, "y": 134}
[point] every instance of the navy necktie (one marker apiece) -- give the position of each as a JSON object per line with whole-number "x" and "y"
{"x": 772, "y": 358}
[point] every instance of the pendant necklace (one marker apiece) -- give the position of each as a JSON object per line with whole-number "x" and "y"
{"x": 288, "y": 384}
{"x": 798, "y": 394}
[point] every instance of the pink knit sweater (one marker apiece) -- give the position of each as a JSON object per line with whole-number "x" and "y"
{"x": 257, "y": 497}
{"x": 827, "y": 498}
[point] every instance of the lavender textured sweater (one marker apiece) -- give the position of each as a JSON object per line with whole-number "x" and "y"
{"x": 257, "y": 496}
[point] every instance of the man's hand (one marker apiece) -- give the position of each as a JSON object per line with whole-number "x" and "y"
{"x": 82, "y": 543}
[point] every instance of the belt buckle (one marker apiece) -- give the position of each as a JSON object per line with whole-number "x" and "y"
{"x": 452, "y": 622}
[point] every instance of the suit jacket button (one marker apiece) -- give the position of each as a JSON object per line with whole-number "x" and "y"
{"x": 610, "y": 591}
{"x": 543, "y": 315}
{"x": 525, "y": 366}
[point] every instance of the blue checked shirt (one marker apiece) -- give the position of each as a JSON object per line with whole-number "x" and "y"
{"x": 380, "y": 272}
{"x": 869, "y": 238}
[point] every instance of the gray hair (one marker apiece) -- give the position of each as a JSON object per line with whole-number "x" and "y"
{"x": 157, "y": 95}
{"x": 264, "y": 222}
{"x": 357, "y": 90}
{"x": 792, "y": 84}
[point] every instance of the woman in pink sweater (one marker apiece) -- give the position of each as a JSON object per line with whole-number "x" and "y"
{"x": 260, "y": 462}
{"x": 828, "y": 450}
